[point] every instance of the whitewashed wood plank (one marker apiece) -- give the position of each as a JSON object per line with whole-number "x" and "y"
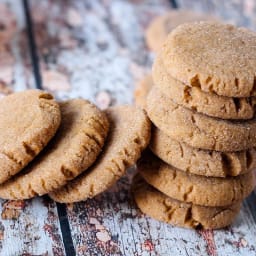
{"x": 104, "y": 51}
{"x": 240, "y": 238}
{"x": 36, "y": 229}
{"x": 35, "y": 232}
{"x": 106, "y": 55}
{"x": 240, "y": 13}
{"x": 21, "y": 68}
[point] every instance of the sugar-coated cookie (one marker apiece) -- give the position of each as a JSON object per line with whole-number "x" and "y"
{"x": 28, "y": 120}
{"x": 212, "y": 56}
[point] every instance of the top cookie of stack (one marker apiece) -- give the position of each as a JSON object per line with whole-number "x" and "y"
{"x": 203, "y": 81}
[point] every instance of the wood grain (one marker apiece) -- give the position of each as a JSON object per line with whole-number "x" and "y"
{"x": 96, "y": 50}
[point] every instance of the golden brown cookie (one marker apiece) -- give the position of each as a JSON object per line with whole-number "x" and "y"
{"x": 161, "y": 207}
{"x": 161, "y": 26}
{"x": 142, "y": 90}
{"x": 215, "y": 57}
{"x": 28, "y": 120}
{"x": 198, "y": 161}
{"x": 129, "y": 135}
{"x": 204, "y": 102}
{"x": 190, "y": 188}
{"x": 198, "y": 130}
{"x": 73, "y": 149}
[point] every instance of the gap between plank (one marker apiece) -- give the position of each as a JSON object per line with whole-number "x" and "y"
{"x": 65, "y": 230}
{"x": 61, "y": 208}
{"x": 174, "y": 4}
{"x": 32, "y": 45}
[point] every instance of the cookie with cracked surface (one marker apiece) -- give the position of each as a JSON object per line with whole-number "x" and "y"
{"x": 161, "y": 26}
{"x": 74, "y": 148}
{"x": 28, "y": 120}
{"x": 190, "y": 188}
{"x": 215, "y": 57}
{"x": 129, "y": 135}
{"x": 142, "y": 90}
{"x": 198, "y": 161}
{"x": 198, "y": 130}
{"x": 194, "y": 98}
{"x": 161, "y": 207}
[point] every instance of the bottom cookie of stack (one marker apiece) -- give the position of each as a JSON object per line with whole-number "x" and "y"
{"x": 162, "y": 207}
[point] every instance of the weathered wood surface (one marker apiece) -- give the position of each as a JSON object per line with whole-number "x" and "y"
{"x": 36, "y": 230}
{"x": 96, "y": 50}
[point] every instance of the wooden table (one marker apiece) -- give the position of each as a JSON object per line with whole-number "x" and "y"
{"x": 95, "y": 50}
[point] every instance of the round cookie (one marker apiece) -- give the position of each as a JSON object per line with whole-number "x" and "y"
{"x": 161, "y": 207}
{"x": 200, "y": 190}
{"x": 204, "y": 102}
{"x": 161, "y": 26}
{"x": 129, "y": 135}
{"x": 73, "y": 149}
{"x": 197, "y": 130}
{"x": 142, "y": 90}
{"x": 28, "y": 120}
{"x": 198, "y": 161}
{"x": 215, "y": 57}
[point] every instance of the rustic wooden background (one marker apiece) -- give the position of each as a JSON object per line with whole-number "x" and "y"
{"x": 96, "y": 50}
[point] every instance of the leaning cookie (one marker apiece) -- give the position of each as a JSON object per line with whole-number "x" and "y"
{"x": 73, "y": 149}
{"x": 129, "y": 135}
{"x": 198, "y": 130}
{"x": 28, "y": 120}
{"x": 194, "y": 98}
{"x": 161, "y": 207}
{"x": 161, "y": 26}
{"x": 142, "y": 90}
{"x": 198, "y": 161}
{"x": 190, "y": 188}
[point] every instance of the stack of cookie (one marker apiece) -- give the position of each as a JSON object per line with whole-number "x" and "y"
{"x": 71, "y": 149}
{"x": 203, "y": 109}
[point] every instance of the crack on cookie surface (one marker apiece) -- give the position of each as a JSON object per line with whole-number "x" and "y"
{"x": 29, "y": 149}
